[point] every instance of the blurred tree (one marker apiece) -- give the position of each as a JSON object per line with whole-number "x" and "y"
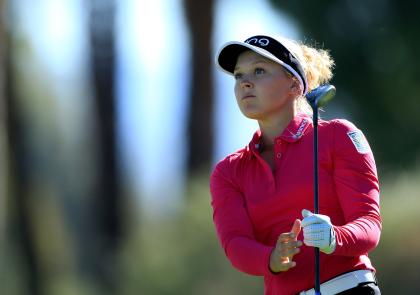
{"x": 3, "y": 143}
{"x": 374, "y": 44}
{"x": 200, "y": 123}
{"x": 19, "y": 226}
{"x": 106, "y": 208}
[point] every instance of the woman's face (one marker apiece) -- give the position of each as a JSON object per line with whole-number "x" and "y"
{"x": 263, "y": 88}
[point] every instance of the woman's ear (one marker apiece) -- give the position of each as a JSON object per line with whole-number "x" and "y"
{"x": 295, "y": 87}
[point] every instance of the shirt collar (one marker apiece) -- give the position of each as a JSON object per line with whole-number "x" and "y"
{"x": 296, "y": 128}
{"x": 292, "y": 133}
{"x": 255, "y": 143}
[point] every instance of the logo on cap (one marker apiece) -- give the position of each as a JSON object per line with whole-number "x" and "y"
{"x": 258, "y": 41}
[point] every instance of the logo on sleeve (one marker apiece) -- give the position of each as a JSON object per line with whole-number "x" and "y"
{"x": 359, "y": 141}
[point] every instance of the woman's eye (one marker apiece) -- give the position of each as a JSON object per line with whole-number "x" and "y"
{"x": 237, "y": 76}
{"x": 259, "y": 71}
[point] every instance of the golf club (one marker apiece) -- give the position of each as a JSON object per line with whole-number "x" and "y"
{"x": 317, "y": 98}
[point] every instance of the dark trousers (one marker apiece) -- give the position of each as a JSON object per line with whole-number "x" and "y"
{"x": 367, "y": 289}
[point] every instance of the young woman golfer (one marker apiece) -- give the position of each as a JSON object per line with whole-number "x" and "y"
{"x": 262, "y": 195}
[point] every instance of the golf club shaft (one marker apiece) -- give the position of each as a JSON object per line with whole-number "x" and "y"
{"x": 316, "y": 189}
{"x": 318, "y": 97}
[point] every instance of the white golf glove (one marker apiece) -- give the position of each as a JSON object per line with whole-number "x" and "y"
{"x": 318, "y": 231}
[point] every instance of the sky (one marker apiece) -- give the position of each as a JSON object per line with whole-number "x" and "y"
{"x": 161, "y": 109}
{"x": 153, "y": 49}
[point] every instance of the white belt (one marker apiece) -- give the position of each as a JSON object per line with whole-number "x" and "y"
{"x": 344, "y": 282}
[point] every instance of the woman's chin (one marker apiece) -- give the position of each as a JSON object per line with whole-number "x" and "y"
{"x": 252, "y": 115}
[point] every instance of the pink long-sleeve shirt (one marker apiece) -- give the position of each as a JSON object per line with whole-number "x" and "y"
{"x": 253, "y": 204}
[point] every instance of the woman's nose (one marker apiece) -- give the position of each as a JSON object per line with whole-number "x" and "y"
{"x": 246, "y": 83}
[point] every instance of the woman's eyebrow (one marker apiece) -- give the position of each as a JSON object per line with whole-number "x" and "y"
{"x": 253, "y": 63}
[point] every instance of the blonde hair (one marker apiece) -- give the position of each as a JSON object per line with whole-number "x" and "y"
{"x": 317, "y": 65}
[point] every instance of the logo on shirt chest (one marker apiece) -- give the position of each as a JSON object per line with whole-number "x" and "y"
{"x": 300, "y": 130}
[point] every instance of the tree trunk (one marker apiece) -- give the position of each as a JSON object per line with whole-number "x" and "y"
{"x": 107, "y": 203}
{"x": 19, "y": 224}
{"x": 200, "y": 123}
{"x": 3, "y": 141}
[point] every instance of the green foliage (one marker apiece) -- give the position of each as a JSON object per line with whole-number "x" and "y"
{"x": 181, "y": 254}
{"x": 397, "y": 258}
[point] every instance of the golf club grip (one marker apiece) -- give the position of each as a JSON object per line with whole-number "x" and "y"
{"x": 317, "y": 281}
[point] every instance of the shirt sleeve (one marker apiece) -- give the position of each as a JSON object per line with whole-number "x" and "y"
{"x": 357, "y": 187}
{"x": 233, "y": 225}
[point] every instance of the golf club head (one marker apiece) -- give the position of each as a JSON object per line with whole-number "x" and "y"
{"x": 320, "y": 96}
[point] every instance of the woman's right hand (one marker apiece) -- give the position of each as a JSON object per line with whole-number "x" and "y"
{"x": 287, "y": 246}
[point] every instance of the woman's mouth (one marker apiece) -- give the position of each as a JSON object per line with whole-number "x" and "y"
{"x": 247, "y": 96}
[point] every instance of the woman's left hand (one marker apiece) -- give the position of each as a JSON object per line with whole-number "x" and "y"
{"x": 318, "y": 231}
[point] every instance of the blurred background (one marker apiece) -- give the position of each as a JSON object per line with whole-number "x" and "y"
{"x": 112, "y": 115}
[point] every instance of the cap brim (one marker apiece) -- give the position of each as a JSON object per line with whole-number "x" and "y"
{"x": 228, "y": 55}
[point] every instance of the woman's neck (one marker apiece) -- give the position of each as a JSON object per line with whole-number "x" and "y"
{"x": 273, "y": 127}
